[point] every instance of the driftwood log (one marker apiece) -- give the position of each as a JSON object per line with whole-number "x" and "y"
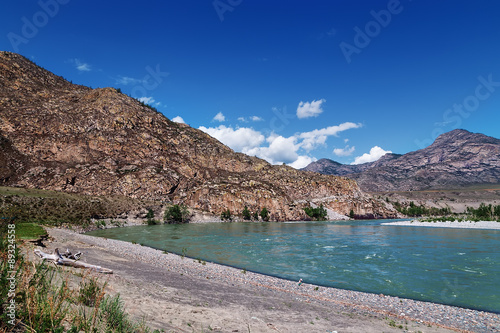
{"x": 69, "y": 259}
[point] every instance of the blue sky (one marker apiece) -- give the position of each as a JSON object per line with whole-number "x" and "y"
{"x": 290, "y": 81}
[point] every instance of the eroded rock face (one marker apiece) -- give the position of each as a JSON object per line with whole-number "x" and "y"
{"x": 60, "y": 136}
{"x": 457, "y": 158}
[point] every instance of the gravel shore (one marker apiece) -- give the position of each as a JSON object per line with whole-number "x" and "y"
{"x": 182, "y": 293}
{"x": 447, "y": 224}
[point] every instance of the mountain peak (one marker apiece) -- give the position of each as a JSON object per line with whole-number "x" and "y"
{"x": 456, "y": 158}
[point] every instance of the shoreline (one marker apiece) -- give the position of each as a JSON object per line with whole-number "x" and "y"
{"x": 489, "y": 225}
{"x": 347, "y": 311}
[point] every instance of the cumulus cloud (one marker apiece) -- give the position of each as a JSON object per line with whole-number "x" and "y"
{"x": 346, "y": 151}
{"x": 374, "y": 154}
{"x": 310, "y": 109}
{"x": 318, "y": 137}
{"x": 219, "y": 117}
{"x": 302, "y": 161}
{"x": 280, "y": 150}
{"x": 256, "y": 118}
{"x": 240, "y": 139}
{"x": 178, "y": 119}
{"x": 275, "y": 148}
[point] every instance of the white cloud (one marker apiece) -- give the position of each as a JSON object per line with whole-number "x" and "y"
{"x": 239, "y": 139}
{"x": 274, "y": 148}
{"x": 310, "y": 109}
{"x": 178, "y": 119}
{"x": 252, "y": 118}
{"x": 318, "y": 137}
{"x": 344, "y": 151}
{"x": 125, "y": 80}
{"x": 82, "y": 67}
{"x": 302, "y": 162}
{"x": 280, "y": 150}
{"x": 375, "y": 153}
{"x": 219, "y": 117}
{"x": 147, "y": 100}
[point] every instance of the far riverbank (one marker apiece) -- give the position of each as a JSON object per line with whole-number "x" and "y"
{"x": 492, "y": 225}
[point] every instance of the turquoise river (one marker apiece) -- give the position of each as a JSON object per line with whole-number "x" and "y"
{"x": 459, "y": 267}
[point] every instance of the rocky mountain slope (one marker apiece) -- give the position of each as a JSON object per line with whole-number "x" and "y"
{"x": 60, "y": 136}
{"x": 455, "y": 159}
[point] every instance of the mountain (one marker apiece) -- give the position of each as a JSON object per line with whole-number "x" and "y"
{"x": 455, "y": 159}
{"x": 59, "y": 136}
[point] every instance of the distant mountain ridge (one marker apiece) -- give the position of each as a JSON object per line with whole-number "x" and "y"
{"x": 56, "y": 135}
{"x": 457, "y": 158}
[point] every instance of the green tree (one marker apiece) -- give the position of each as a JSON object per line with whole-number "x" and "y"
{"x": 351, "y": 214}
{"x": 150, "y": 217}
{"x": 264, "y": 213}
{"x": 226, "y": 215}
{"x": 318, "y": 213}
{"x": 256, "y": 215}
{"x": 497, "y": 211}
{"x": 176, "y": 214}
{"x": 246, "y": 214}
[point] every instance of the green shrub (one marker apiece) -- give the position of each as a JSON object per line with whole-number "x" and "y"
{"x": 246, "y": 214}
{"x": 226, "y": 215}
{"x": 176, "y": 214}
{"x": 89, "y": 292}
{"x": 318, "y": 213}
{"x": 264, "y": 214}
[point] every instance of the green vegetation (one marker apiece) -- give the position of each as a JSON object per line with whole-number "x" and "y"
{"x": 150, "y": 217}
{"x": 43, "y": 300}
{"x": 246, "y": 214}
{"x": 58, "y": 208}
{"x": 318, "y": 213}
{"x": 485, "y": 212}
{"x": 415, "y": 211}
{"x": 177, "y": 214}
{"x": 29, "y": 231}
{"x": 226, "y": 215}
{"x": 264, "y": 214}
{"x": 90, "y": 292}
{"x": 351, "y": 214}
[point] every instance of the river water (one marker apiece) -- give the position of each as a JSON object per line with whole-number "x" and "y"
{"x": 458, "y": 267}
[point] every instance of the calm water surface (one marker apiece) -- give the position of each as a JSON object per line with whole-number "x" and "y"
{"x": 452, "y": 266}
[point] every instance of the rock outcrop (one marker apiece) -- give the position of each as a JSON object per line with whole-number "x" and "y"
{"x": 455, "y": 159}
{"x": 60, "y": 136}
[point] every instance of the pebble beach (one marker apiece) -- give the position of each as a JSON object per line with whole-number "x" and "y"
{"x": 390, "y": 312}
{"x": 492, "y": 225}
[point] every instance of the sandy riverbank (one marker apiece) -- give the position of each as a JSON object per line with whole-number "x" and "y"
{"x": 185, "y": 295}
{"x": 464, "y": 225}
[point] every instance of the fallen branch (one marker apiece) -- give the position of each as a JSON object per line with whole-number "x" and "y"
{"x": 68, "y": 259}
